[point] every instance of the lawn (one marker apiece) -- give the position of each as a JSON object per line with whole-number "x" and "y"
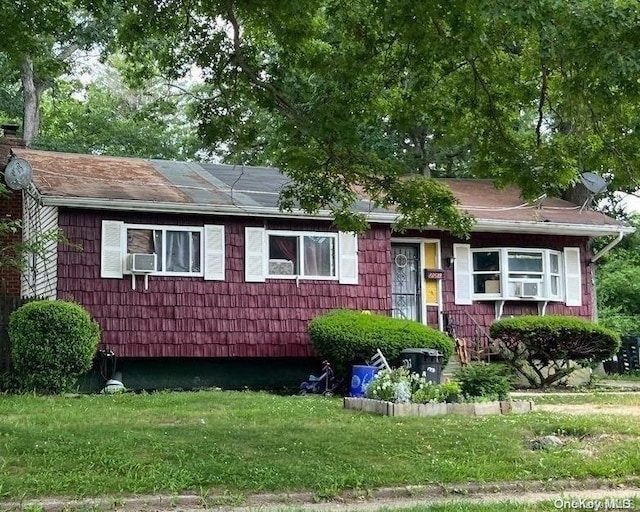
{"x": 240, "y": 442}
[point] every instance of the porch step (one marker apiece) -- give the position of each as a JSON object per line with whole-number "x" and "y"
{"x": 451, "y": 368}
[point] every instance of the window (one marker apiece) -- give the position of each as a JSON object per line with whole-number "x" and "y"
{"x": 516, "y": 274}
{"x": 486, "y": 272}
{"x": 302, "y": 254}
{"x": 177, "y": 250}
{"x": 271, "y": 254}
{"x": 195, "y": 251}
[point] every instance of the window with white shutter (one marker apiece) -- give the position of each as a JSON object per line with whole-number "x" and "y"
{"x": 191, "y": 251}
{"x": 283, "y": 254}
{"x": 512, "y": 273}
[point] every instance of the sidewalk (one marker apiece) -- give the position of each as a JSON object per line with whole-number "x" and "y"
{"x": 372, "y": 500}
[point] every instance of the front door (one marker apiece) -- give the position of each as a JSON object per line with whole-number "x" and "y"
{"x": 405, "y": 281}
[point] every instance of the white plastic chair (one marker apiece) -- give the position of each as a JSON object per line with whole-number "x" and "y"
{"x": 379, "y": 361}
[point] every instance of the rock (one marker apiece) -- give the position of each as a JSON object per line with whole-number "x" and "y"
{"x": 546, "y": 443}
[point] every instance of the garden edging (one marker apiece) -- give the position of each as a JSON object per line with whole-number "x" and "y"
{"x": 437, "y": 409}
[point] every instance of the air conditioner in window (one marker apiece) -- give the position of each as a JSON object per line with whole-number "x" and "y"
{"x": 141, "y": 263}
{"x": 526, "y": 288}
{"x": 280, "y": 267}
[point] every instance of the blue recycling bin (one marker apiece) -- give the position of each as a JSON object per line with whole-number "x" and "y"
{"x": 361, "y": 375}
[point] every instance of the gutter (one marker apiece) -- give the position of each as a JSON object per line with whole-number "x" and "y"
{"x": 197, "y": 209}
{"x": 481, "y": 225}
{"x": 608, "y": 247}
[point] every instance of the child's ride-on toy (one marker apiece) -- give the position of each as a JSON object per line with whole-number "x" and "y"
{"x": 324, "y": 385}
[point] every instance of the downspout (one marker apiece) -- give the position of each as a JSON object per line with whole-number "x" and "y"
{"x": 608, "y": 247}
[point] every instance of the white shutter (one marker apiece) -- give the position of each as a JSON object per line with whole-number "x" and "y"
{"x": 572, "y": 276}
{"x": 462, "y": 273}
{"x": 112, "y": 249}
{"x": 254, "y": 255}
{"x": 214, "y": 252}
{"x": 348, "y": 251}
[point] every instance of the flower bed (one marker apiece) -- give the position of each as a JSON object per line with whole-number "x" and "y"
{"x": 437, "y": 409}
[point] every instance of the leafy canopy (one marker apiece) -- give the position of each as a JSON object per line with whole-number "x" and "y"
{"x": 349, "y": 97}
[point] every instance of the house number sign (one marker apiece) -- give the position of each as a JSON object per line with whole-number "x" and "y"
{"x": 433, "y": 274}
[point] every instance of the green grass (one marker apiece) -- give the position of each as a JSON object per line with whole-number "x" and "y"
{"x": 217, "y": 442}
{"x": 503, "y": 506}
{"x": 596, "y": 397}
{"x": 633, "y": 376}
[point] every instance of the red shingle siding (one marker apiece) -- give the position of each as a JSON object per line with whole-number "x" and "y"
{"x": 11, "y": 207}
{"x": 481, "y": 314}
{"x": 190, "y": 317}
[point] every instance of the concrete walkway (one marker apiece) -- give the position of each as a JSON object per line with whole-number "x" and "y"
{"x": 399, "y": 497}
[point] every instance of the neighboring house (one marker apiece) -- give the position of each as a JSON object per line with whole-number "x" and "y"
{"x": 188, "y": 262}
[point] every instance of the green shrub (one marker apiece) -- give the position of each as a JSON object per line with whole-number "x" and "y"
{"x": 399, "y": 385}
{"x": 52, "y": 344}
{"x": 347, "y": 337}
{"x": 437, "y": 393}
{"x": 489, "y": 381}
{"x": 546, "y": 349}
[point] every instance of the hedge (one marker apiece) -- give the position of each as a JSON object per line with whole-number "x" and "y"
{"x": 52, "y": 343}
{"x": 555, "y": 342}
{"x": 346, "y": 337}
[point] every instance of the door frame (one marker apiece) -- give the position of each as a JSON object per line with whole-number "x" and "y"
{"x": 422, "y": 257}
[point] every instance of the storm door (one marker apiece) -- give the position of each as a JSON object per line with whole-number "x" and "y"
{"x": 405, "y": 282}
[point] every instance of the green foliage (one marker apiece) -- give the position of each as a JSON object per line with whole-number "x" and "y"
{"x": 488, "y": 381}
{"x": 401, "y": 386}
{"x": 52, "y": 344}
{"x": 347, "y": 337}
{"x": 109, "y": 118}
{"x": 390, "y": 385}
{"x": 446, "y": 392}
{"x": 617, "y": 287}
{"x": 363, "y": 93}
{"x": 533, "y": 343}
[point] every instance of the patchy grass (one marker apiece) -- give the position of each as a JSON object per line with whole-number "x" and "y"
{"x": 218, "y": 442}
{"x": 633, "y": 376}
{"x": 587, "y": 397}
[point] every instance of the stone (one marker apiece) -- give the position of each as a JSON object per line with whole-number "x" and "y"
{"x": 486, "y": 408}
{"x": 546, "y": 443}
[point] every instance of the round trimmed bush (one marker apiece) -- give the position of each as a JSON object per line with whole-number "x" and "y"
{"x": 347, "y": 337}
{"x": 535, "y": 344}
{"x": 52, "y": 344}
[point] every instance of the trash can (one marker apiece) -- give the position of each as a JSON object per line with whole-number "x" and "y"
{"x": 426, "y": 362}
{"x": 629, "y": 354}
{"x": 361, "y": 375}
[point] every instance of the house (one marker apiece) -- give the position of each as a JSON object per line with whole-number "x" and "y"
{"x": 197, "y": 278}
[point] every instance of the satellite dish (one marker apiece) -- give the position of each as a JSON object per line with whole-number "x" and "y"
{"x": 593, "y": 183}
{"x": 18, "y": 174}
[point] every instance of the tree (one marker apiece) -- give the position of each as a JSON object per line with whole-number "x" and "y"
{"x": 618, "y": 290}
{"x": 108, "y": 117}
{"x": 358, "y": 94}
{"x": 38, "y": 41}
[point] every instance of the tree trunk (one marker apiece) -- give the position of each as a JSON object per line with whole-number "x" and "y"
{"x": 32, "y": 92}
{"x": 578, "y": 194}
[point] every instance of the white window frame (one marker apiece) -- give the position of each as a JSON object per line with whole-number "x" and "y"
{"x": 300, "y": 235}
{"x": 163, "y": 258}
{"x": 504, "y": 274}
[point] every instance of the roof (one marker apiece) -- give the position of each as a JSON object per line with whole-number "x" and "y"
{"x": 116, "y": 183}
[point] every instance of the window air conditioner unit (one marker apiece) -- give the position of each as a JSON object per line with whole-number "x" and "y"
{"x": 526, "y": 288}
{"x": 141, "y": 263}
{"x": 281, "y": 267}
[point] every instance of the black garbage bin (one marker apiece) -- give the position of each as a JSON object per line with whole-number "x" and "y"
{"x": 426, "y": 362}
{"x": 629, "y": 354}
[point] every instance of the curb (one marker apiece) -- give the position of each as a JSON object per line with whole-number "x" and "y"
{"x": 165, "y": 502}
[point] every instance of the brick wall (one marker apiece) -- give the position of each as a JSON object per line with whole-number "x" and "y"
{"x": 10, "y": 208}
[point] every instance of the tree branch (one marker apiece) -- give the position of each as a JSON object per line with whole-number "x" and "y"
{"x": 281, "y": 100}
{"x": 543, "y": 95}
